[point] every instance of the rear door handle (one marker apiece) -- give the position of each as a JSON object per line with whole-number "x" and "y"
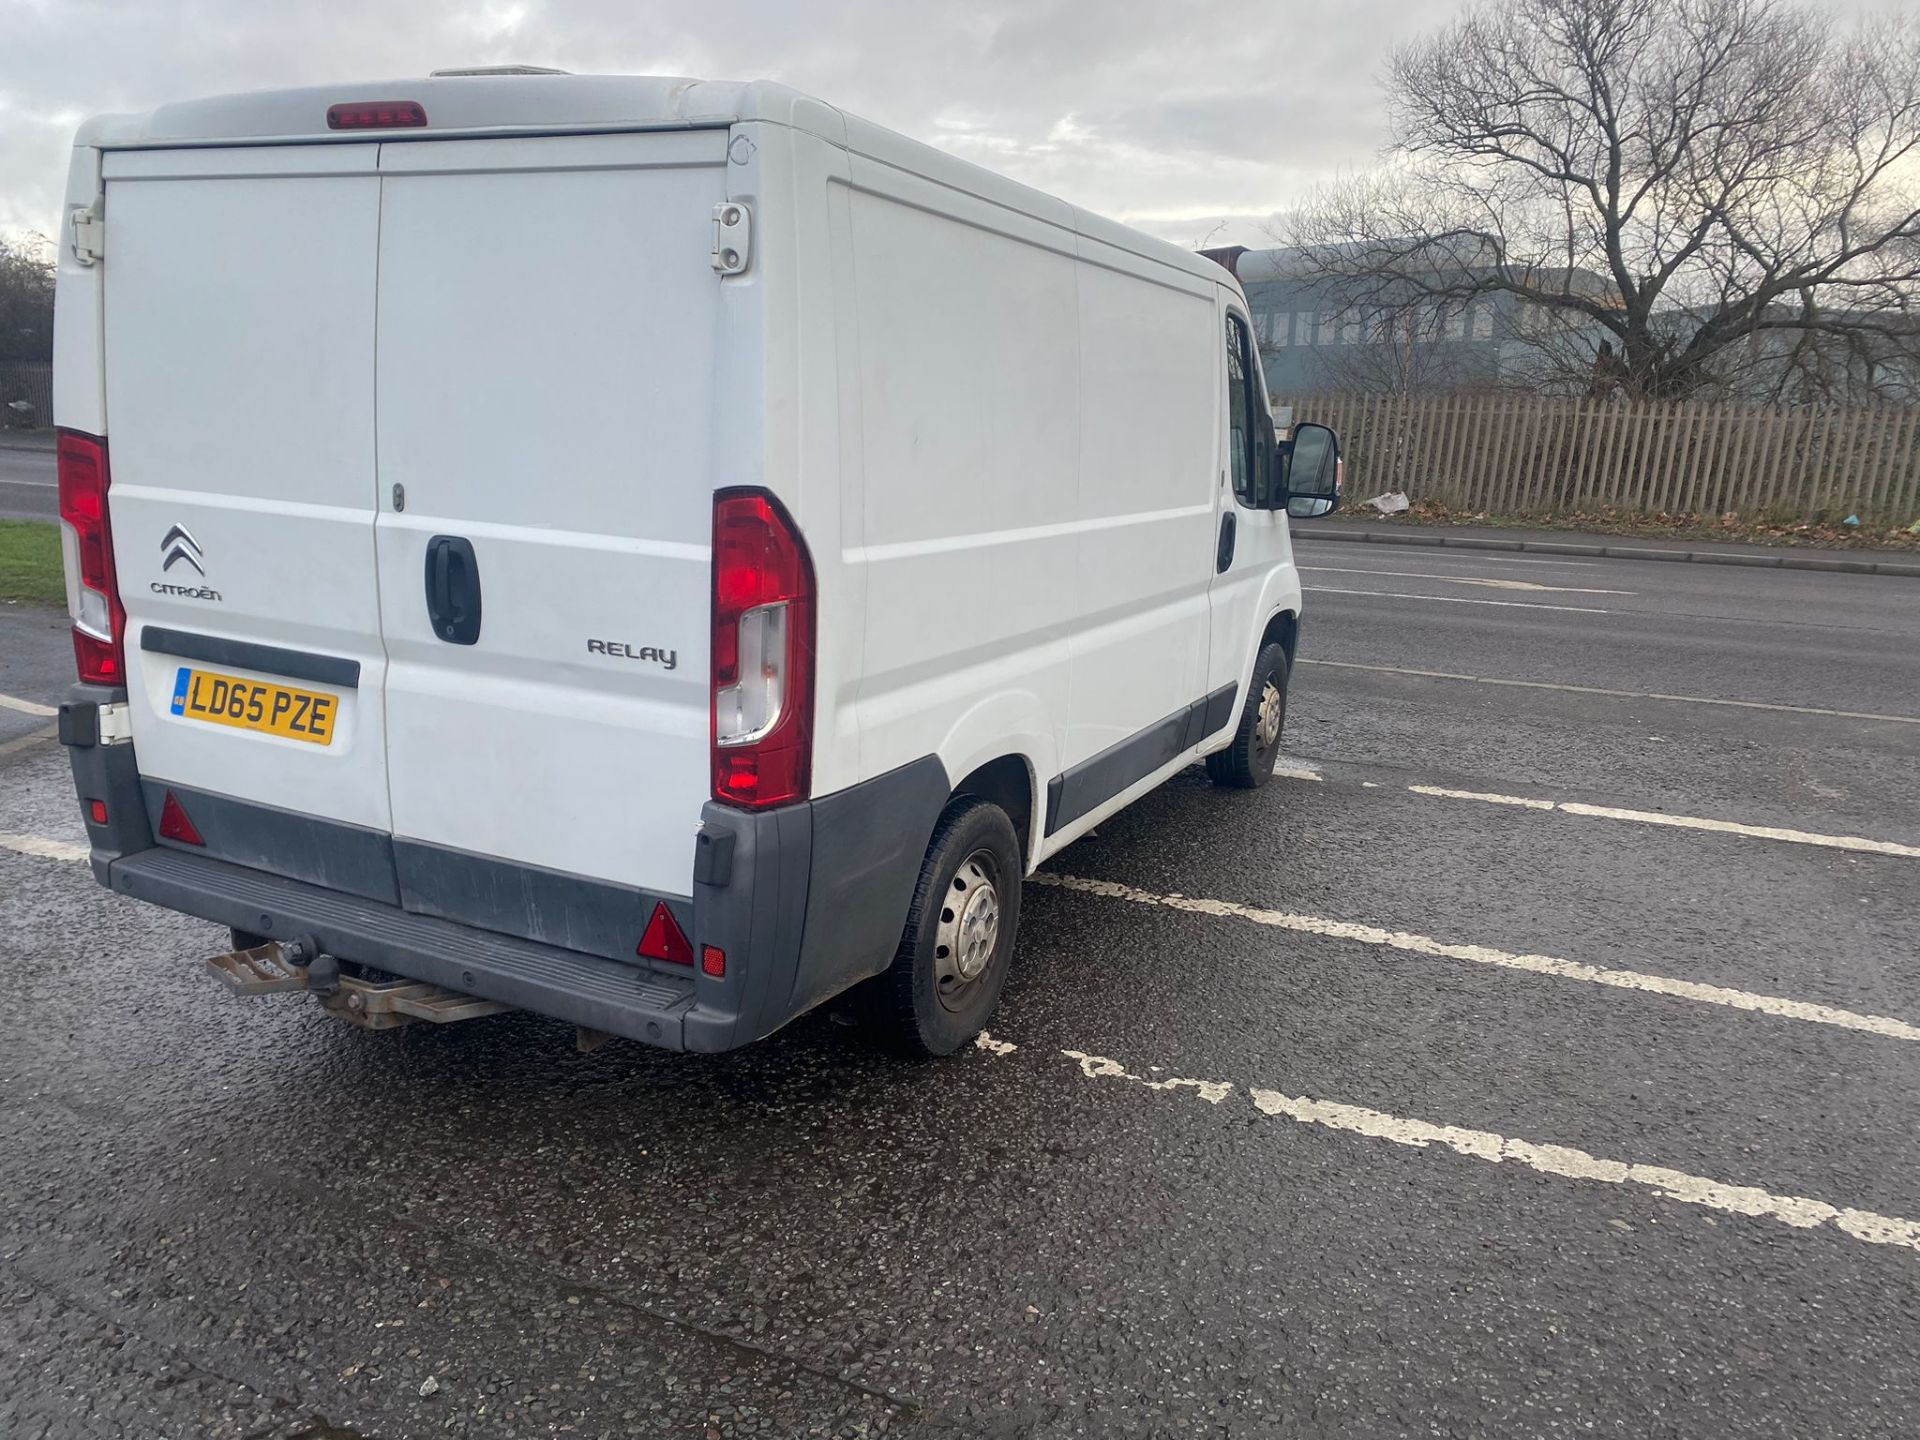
{"x": 453, "y": 589}
{"x": 1223, "y": 557}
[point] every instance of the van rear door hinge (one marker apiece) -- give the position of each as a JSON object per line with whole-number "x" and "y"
{"x": 732, "y": 237}
{"x": 89, "y": 235}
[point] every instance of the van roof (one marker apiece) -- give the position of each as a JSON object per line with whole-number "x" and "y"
{"x": 510, "y": 100}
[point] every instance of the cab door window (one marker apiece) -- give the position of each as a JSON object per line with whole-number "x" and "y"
{"x": 1246, "y": 451}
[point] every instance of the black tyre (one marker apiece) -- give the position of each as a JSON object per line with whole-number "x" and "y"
{"x": 955, "y": 950}
{"x": 1247, "y": 763}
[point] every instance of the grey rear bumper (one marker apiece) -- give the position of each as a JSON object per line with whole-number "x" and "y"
{"x": 586, "y": 989}
{"x": 805, "y": 900}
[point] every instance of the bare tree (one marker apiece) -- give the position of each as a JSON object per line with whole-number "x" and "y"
{"x": 1676, "y": 194}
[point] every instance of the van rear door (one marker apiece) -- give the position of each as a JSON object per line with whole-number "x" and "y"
{"x": 239, "y": 349}
{"x": 547, "y": 328}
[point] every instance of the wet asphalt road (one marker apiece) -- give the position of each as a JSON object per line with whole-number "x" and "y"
{"x": 231, "y": 1218}
{"x": 27, "y": 480}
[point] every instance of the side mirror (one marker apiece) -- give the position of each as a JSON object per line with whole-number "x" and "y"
{"x": 1312, "y": 472}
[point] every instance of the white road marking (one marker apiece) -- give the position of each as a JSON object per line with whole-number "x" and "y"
{"x": 984, "y": 1041}
{"x": 1413, "y": 944}
{"x": 29, "y": 740}
{"x": 1291, "y": 770}
{"x": 1615, "y": 694}
{"x": 1466, "y": 580}
{"x": 1456, "y": 600}
{"x": 1796, "y": 1211}
{"x": 26, "y": 707}
{"x": 1434, "y": 554}
{"x": 1098, "y": 1067}
{"x": 42, "y": 848}
{"x": 1681, "y": 822}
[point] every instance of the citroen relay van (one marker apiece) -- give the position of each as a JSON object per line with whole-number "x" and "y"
{"x": 657, "y": 553}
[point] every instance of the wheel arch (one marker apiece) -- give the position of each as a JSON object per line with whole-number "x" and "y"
{"x": 1007, "y": 781}
{"x": 1283, "y": 628}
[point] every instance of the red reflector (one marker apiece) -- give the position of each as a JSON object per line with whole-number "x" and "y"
{"x": 713, "y": 960}
{"x": 376, "y": 115}
{"x": 97, "y": 811}
{"x": 174, "y": 824}
{"x": 663, "y": 939}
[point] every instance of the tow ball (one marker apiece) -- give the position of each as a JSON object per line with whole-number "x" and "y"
{"x": 281, "y": 967}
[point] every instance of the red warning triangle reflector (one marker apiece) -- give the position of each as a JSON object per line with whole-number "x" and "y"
{"x": 663, "y": 939}
{"x": 174, "y": 824}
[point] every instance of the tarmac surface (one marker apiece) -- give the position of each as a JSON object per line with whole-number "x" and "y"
{"x": 27, "y": 480}
{"x": 1536, "y": 1055}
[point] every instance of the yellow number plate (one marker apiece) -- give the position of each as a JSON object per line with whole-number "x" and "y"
{"x": 255, "y": 705}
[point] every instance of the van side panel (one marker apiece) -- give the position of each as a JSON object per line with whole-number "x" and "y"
{"x": 970, "y": 393}
{"x": 1147, "y": 500}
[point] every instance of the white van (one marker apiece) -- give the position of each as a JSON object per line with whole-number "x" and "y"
{"x": 652, "y": 552}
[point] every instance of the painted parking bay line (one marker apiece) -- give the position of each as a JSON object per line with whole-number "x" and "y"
{"x": 1613, "y": 694}
{"x": 27, "y": 707}
{"x": 1412, "y": 944}
{"x": 43, "y": 848}
{"x": 1681, "y": 822}
{"x": 1562, "y": 1161}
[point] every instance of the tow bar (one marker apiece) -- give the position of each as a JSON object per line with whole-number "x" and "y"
{"x": 280, "y": 968}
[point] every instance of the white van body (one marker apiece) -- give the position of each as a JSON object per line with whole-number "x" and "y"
{"x": 1000, "y": 425}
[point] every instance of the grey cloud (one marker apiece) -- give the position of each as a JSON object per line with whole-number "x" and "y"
{"x": 1167, "y": 115}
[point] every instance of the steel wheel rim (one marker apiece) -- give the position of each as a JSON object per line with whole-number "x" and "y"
{"x": 1273, "y": 710}
{"x": 968, "y": 934}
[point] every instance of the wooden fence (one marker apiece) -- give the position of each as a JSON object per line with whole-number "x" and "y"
{"x": 1528, "y": 454}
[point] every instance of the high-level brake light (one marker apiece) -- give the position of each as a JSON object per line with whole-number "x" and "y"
{"x": 86, "y": 543}
{"x": 763, "y": 641}
{"x": 376, "y": 115}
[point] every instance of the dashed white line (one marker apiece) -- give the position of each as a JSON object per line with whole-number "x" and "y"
{"x": 1563, "y": 1161}
{"x": 1436, "y": 555}
{"x": 1457, "y": 600}
{"x": 26, "y": 707}
{"x": 1680, "y": 822}
{"x": 42, "y": 848}
{"x": 1413, "y": 944}
{"x": 1615, "y": 694}
{"x": 1465, "y": 580}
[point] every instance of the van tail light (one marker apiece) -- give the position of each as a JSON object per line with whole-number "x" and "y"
{"x": 86, "y": 543}
{"x": 763, "y": 629}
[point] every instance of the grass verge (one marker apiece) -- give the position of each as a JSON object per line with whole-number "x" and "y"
{"x": 30, "y": 564}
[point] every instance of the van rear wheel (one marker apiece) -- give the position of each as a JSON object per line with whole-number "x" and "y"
{"x": 1247, "y": 763}
{"x": 957, "y": 945}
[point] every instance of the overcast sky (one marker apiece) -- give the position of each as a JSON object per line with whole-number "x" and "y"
{"x": 1168, "y": 114}
{"x": 1164, "y": 113}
